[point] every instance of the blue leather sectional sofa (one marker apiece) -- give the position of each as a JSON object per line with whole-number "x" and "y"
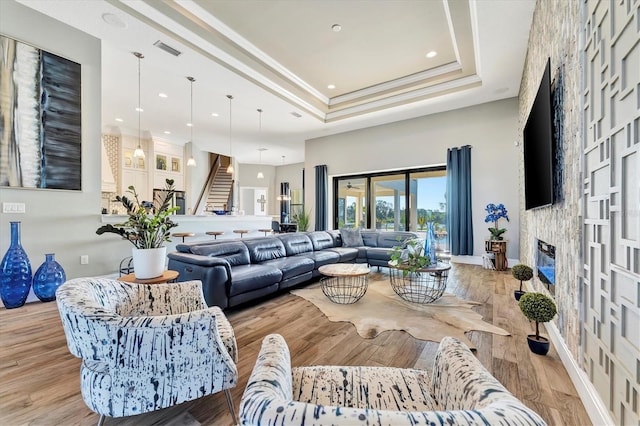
{"x": 240, "y": 270}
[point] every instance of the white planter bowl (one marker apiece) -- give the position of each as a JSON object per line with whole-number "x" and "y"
{"x": 149, "y": 263}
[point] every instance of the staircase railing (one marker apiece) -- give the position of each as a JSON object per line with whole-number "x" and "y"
{"x": 205, "y": 188}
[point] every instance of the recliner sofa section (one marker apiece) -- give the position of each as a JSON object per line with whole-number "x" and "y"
{"x": 238, "y": 271}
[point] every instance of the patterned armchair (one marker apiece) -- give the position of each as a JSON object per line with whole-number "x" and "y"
{"x": 462, "y": 392}
{"x": 146, "y": 347}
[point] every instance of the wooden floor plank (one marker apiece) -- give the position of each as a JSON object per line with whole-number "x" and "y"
{"x": 40, "y": 382}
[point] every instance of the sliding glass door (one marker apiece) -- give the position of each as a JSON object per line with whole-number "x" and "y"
{"x": 394, "y": 201}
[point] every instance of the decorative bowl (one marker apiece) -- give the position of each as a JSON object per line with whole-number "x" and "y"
{"x": 220, "y": 212}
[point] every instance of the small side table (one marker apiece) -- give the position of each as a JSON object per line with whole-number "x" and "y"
{"x": 499, "y": 250}
{"x": 344, "y": 283}
{"x": 166, "y": 277}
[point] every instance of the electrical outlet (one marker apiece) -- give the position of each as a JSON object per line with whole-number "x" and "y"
{"x": 84, "y": 259}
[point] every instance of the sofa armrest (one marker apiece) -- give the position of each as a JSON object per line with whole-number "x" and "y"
{"x": 213, "y": 272}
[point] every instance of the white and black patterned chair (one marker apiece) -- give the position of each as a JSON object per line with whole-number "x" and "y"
{"x": 146, "y": 347}
{"x": 461, "y": 392}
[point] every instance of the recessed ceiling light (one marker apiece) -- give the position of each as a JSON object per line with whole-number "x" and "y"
{"x": 214, "y": 114}
{"x": 166, "y": 132}
{"x": 336, "y": 28}
{"x": 189, "y": 125}
{"x": 139, "y": 109}
{"x": 432, "y": 54}
{"x": 331, "y": 86}
{"x": 119, "y": 120}
{"x": 113, "y": 20}
{"x": 163, "y": 95}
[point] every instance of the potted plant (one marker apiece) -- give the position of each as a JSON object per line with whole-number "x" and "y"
{"x": 538, "y": 307}
{"x": 302, "y": 220}
{"x": 147, "y": 229}
{"x": 413, "y": 275}
{"x": 521, "y": 272}
{"x": 409, "y": 256}
{"x": 494, "y": 214}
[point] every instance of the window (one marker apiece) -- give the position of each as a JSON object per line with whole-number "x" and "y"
{"x": 394, "y": 201}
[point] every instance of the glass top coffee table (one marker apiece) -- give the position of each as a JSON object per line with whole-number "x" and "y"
{"x": 344, "y": 283}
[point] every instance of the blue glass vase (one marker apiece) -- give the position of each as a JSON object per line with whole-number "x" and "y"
{"x": 15, "y": 272}
{"x": 430, "y": 243}
{"x": 48, "y": 278}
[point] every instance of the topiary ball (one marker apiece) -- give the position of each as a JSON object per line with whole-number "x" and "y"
{"x": 537, "y": 307}
{"x": 522, "y": 272}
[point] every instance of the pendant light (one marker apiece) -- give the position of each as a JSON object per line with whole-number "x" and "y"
{"x": 138, "y": 153}
{"x": 230, "y": 168}
{"x": 260, "y": 174}
{"x": 191, "y": 162}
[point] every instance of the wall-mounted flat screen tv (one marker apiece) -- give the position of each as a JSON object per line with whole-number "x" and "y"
{"x": 539, "y": 147}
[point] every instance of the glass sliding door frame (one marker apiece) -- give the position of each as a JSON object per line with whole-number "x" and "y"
{"x": 364, "y": 185}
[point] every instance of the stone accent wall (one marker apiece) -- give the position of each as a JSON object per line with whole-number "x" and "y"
{"x": 555, "y": 34}
{"x": 594, "y": 45}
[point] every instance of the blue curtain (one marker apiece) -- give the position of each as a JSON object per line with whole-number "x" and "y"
{"x": 322, "y": 194}
{"x": 459, "y": 223}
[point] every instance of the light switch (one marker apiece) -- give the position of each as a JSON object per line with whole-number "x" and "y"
{"x": 13, "y": 208}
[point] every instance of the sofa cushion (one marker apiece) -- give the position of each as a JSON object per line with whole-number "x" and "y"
{"x": 370, "y": 237}
{"x": 263, "y": 249}
{"x": 245, "y": 278}
{"x": 379, "y": 253}
{"x": 321, "y": 240}
{"x": 351, "y": 237}
{"x": 296, "y": 243}
{"x": 347, "y": 254}
{"x": 395, "y": 238}
{"x": 235, "y": 252}
{"x": 376, "y": 388}
{"x": 291, "y": 266}
{"x": 322, "y": 257}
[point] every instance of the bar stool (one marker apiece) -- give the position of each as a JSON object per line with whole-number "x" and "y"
{"x": 241, "y": 232}
{"x": 183, "y": 235}
{"x": 265, "y": 230}
{"x": 214, "y": 233}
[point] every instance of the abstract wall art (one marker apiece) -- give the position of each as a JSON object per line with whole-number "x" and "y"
{"x": 40, "y": 118}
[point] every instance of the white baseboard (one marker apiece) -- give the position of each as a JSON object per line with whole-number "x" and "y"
{"x": 593, "y": 404}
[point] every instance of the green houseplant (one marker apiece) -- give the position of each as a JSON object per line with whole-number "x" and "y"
{"x": 409, "y": 256}
{"x": 538, "y": 307}
{"x": 147, "y": 228}
{"x": 521, "y": 272}
{"x": 413, "y": 275}
{"x": 301, "y": 219}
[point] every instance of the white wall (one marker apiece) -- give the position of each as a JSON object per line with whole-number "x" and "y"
{"x": 491, "y": 129}
{"x": 64, "y": 222}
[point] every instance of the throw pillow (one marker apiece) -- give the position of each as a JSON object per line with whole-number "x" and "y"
{"x": 351, "y": 237}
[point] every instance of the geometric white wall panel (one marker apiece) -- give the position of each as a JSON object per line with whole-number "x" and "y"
{"x": 611, "y": 205}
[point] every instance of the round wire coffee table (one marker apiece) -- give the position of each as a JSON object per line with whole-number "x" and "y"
{"x": 344, "y": 283}
{"x": 425, "y": 285}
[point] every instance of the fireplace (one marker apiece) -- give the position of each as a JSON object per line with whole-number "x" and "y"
{"x": 546, "y": 265}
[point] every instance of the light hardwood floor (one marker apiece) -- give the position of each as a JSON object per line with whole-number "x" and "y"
{"x": 39, "y": 378}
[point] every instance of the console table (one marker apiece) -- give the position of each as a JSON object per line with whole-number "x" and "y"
{"x": 499, "y": 250}
{"x": 166, "y": 277}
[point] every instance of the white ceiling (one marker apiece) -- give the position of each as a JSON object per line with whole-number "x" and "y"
{"x": 280, "y": 56}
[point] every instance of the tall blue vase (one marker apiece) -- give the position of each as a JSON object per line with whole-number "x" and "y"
{"x": 430, "y": 243}
{"x": 15, "y": 272}
{"x": 48, "y": 278}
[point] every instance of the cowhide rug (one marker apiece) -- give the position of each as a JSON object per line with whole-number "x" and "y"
{"x": 381, "y": 309}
